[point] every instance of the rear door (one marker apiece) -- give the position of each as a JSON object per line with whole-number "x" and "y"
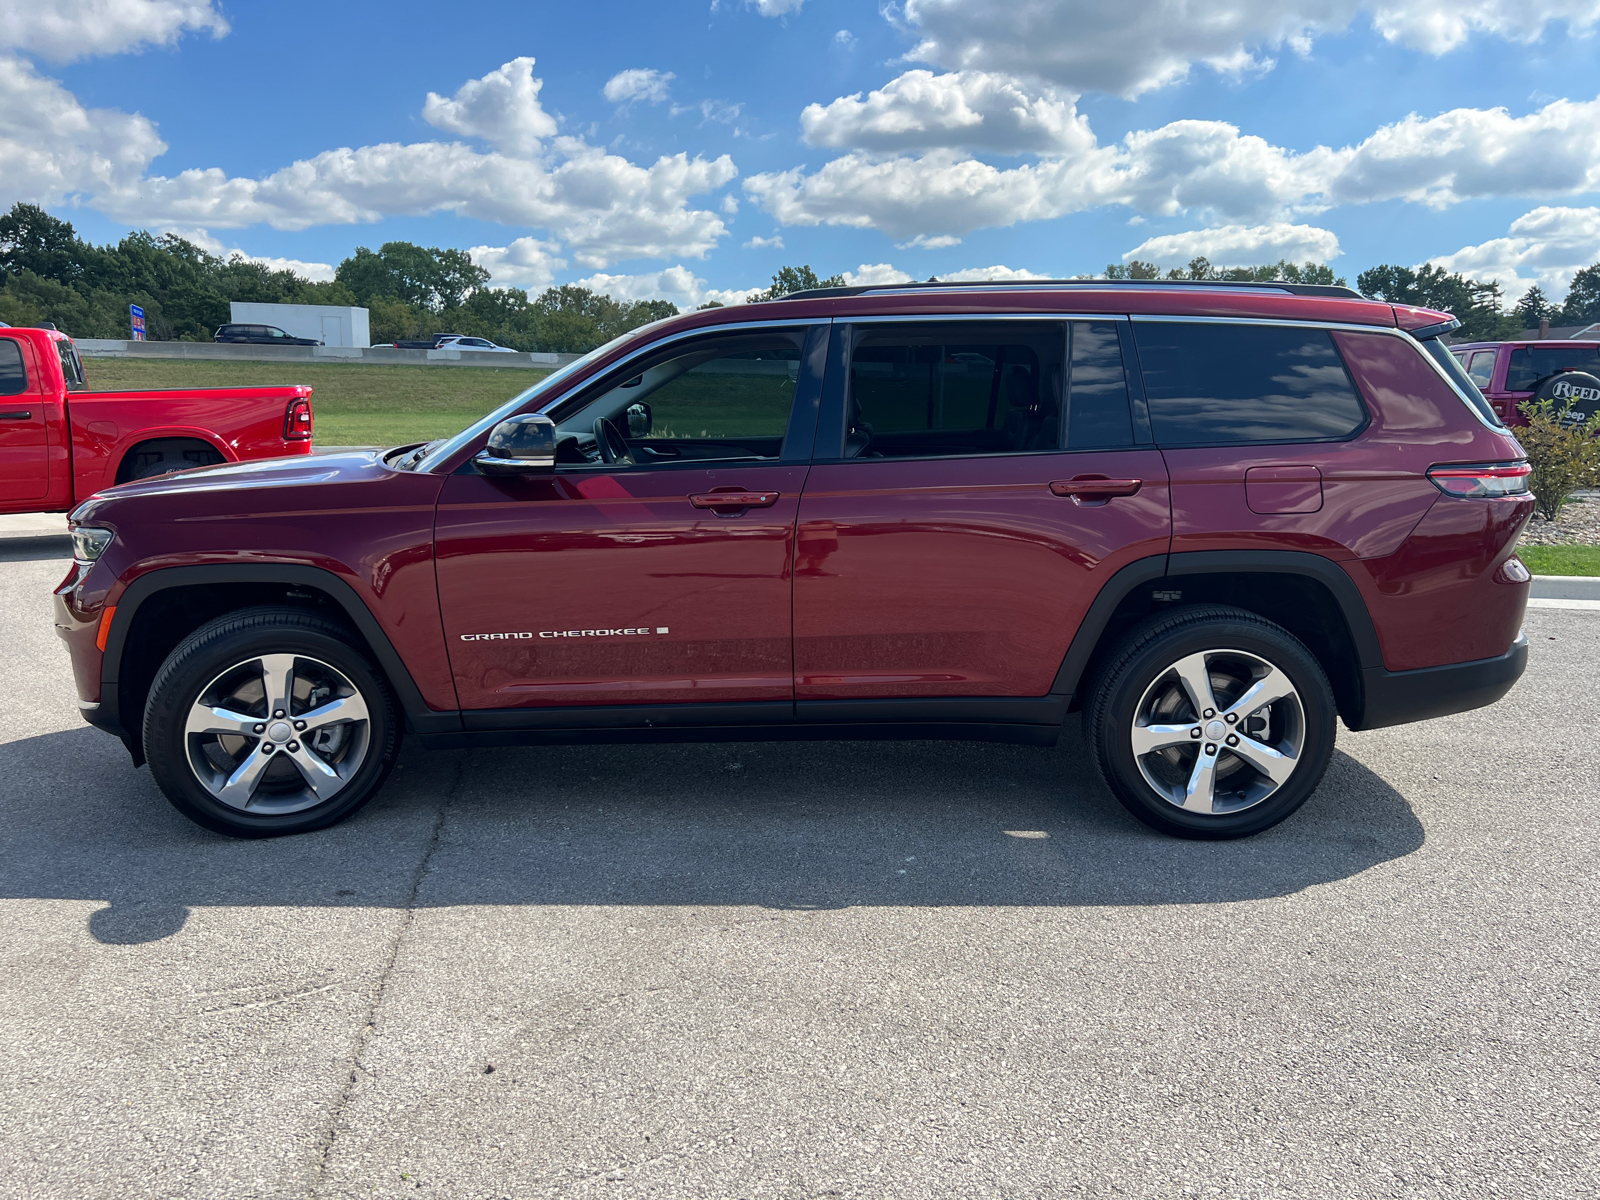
{"x": 627, "y": 582}
{"x": 975, "y": 484}
{"x": 24, "y": 432}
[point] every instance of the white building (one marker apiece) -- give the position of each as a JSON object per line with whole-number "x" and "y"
{"x": 336, "y": 326}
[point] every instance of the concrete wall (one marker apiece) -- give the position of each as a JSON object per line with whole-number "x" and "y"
{"x": 334, "y": 324}
{"x": 215, "y": 352}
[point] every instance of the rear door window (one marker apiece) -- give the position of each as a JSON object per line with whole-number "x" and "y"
{"x": 932, "y": 389}
{"x": 13, "y": 375}
{"x": 1530, "y": 366}
{"x": 1218, "y": 383}
{"x": 1481, "y": 368}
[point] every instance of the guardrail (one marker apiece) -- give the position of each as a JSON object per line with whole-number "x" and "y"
{"x": 381, "y": 355}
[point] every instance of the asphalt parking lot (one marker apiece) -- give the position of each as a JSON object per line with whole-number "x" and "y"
{"x": 855, "y": 970}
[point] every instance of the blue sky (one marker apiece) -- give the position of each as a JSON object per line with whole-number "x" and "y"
{"x": 933, "y": 137}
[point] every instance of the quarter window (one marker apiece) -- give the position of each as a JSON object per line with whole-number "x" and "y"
{"x": 1222, "y": 384}
{"x": 1482, "y": 368}
{"x": 13, "y": 375}
{"x": 931, "y": 389}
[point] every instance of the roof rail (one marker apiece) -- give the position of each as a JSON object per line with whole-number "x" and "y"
{"x": 1292, "y": 289}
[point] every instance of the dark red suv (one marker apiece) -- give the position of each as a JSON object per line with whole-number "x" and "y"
{"x": 1211, "y": 518}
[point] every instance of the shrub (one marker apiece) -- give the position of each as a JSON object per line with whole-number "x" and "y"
{"x": 1564, "y": 455}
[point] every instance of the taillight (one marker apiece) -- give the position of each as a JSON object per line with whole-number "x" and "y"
{"x": 1484, "y": 481}
{"x": 297, "y": 424}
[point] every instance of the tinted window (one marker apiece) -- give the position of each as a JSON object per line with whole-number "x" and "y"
{"x": 1532, "y": 365}
{"x": 71, "y": 367}
{"x": 1098, "y": 416}
{"x": 931, "y": 389}
{"x": 13, "y": 375}
{"x": 728, "y": 397}
{"x": 1210, "y": 384}
{"x": 1481, "y": 367}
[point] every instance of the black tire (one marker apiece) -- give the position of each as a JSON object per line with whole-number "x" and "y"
{"x": 1142, "y": 673}
{"x": 325, "y": 663}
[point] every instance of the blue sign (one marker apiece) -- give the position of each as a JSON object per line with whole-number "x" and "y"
{"x": 137, "y": 314}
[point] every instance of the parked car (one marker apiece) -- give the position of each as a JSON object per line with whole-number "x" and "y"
{"x": 60, "y": 443}
{"x": 432, "y": 341}
{"x": 261, "y": 335}
{"x": 473, "y": 343}
{"x": 1511, "y": 373}
{"x": 1210, "y": 520}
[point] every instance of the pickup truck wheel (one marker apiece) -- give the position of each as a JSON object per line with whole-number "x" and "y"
{"x": 268, "y": 721}
{"x": 1211, "y": 723}
{"x": 165, "y": 455}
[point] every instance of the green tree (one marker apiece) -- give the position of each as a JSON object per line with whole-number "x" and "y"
{"x": 1476, "y": 303}
{"x": 1534, "y": 307}
{"x": 424, "y": 276}
{"x": 1582, "y": 306}
{"x": 33, "y": 240}
{"x": 796, "y": 279}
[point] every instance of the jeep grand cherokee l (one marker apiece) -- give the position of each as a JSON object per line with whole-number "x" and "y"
{"x": 1210, "y": 519}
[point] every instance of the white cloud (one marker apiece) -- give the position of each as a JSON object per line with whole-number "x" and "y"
{"x": 921, "y": 110}
{"x": 1208, "y": 168}
{"x": 52, "y": 147}
{"x": 775, "y": 8}
{"x": 875, "y": 275}
{"x": 525, "y": 263}
{"x": 677, "y": 284}
{"x": 990, "y": 275}
{"x": 762, "y": 243}
{"x": 1114, "y": 46}
{"x": 316, "y": 272}
{"x": 502, "y": 108}
{"x": 1239, "y": 245}
{"x": 1546, "y": 247}
{"x": 923, "y": 242}
{"x": 638, "y": 83}
{"x": 68, "y": 30}
{"x": 720, "y": 111}
{"x": 845, "y": 38}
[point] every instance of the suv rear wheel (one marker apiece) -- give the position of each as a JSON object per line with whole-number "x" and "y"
{"x": 267, "y": 722}
{"x": 1211, "y": 723}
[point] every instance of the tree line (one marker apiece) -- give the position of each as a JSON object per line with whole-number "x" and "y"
{"x": 48, "y": 273}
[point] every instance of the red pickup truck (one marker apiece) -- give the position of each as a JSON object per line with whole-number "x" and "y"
{"x": 60, "y": 443}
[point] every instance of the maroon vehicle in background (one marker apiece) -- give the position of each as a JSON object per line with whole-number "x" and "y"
{"x": 1212, "y": 519}
{"x": 1510, "y": 374}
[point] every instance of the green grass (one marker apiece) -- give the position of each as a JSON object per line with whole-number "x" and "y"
{"x": 356, "y": 404}
{"x": 1561, "y": 560}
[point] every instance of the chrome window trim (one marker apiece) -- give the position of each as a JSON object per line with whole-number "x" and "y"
{"x": 454, "y": 445}
{"x": 968, "y": 318}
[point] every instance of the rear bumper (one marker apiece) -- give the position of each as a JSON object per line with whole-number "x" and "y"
{"x": 1399, "y": 697}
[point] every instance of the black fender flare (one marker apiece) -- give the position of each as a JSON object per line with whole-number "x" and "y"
{"x": 419, "y": 717}
{"x": 1145, "y": 571}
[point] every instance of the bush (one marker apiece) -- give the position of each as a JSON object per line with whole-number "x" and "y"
{"x": 1564, "y": 456}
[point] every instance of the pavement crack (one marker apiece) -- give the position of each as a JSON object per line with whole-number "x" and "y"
{"x": 325, "y": 1144}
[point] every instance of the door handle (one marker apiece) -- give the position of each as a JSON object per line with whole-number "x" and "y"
{"x": 734, "y": 499}
{"x": 1096, "y": 487}
{"x": 20, "y": 415}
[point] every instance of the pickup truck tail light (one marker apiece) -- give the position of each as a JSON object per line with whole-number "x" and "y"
{"x": 1482, "y": 480}
{"x": 297, "y": 423}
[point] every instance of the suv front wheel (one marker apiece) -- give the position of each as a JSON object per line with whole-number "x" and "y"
{"x": 267, "y": 722}
{"x": 1211, "y": 723}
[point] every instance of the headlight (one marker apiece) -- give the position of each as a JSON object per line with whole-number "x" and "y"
{"x": 88, "y": 542}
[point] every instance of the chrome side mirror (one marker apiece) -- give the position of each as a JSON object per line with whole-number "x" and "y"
{"x": 520, "y": 446}
{"x": 640, "y": 420}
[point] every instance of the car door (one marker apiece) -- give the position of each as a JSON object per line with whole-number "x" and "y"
{"x": 975, "y": 484}
{"x": 24, "y": 432}
{"x": 663, "y": 578}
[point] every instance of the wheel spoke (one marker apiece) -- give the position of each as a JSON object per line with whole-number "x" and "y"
{"x": 1269, "y": 689}
{"x": 1149, "y": 738}
{"x": 277, "y": 678}
{"x": 347, "y": 708}
{"x": 203, "y": 719}
{"x": 1200, "y": 795}
{"x": 319, "y": 776}
{"x": 1195, "y": 676}
{"x": 241, "y": 785}
{"x": 1274, "y": 764}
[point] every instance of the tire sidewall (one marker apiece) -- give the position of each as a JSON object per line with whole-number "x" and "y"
{"x": 198, "y": 661}
{"x": 1128, "y": 686}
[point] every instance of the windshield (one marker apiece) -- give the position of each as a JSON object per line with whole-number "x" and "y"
{"x": 1532, "y": 365}
{"x": 1457, "y": 374}
{"x": 436, "y": 452}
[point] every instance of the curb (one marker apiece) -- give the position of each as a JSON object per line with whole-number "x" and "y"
{"x": 1566, "y": 587}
